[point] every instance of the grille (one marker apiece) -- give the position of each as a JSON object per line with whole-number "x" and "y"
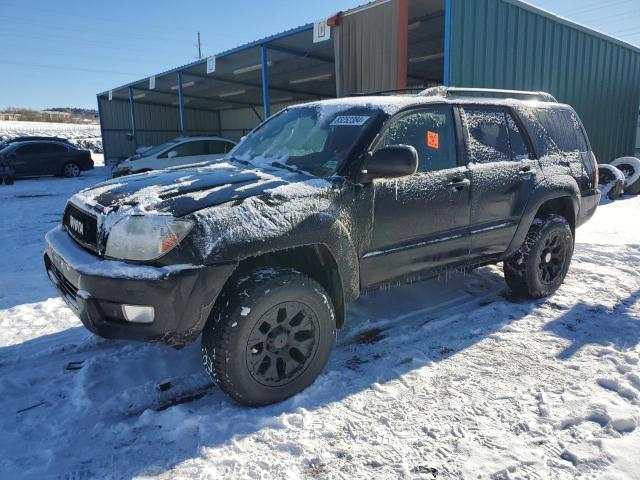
{"x": 82, "y": 226}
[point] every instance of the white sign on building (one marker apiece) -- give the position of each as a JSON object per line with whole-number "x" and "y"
{"x": 152, "y": 82}
{"x": 321, "y": 31}
{"x": 211, "y": 65}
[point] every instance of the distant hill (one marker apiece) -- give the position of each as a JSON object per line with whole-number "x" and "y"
{"x": 57, "y": 114}
{"x": 87, "y": 112}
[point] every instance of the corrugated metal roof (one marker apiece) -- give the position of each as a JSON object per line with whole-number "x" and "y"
{"x": 246, "y": 46}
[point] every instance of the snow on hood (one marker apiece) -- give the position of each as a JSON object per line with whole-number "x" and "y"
{"x": 229, "y": 198}
{"x": 181, "y": 191}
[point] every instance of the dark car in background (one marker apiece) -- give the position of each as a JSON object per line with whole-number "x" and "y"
{"x": 6, "y": 143}
{"x": 37, "y": 158}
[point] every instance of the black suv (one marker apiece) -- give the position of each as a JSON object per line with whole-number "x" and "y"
{"x": 263, "y": 251}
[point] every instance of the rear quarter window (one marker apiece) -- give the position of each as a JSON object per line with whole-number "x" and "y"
{"x": 556, "y": 131}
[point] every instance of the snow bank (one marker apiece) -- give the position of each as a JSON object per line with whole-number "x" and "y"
{"x": 449, "y": 378}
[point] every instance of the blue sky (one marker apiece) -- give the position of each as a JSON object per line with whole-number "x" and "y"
{"x": 62, "y": 53}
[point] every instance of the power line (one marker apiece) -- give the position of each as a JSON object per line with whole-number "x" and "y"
{"x": 107, "y": 44}
{"x": 75, "y": 69}
{"x": 39, "y": 25}
{"x": 112, "y": 21}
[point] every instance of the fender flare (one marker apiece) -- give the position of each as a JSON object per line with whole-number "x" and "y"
{"x": 319, "y": 229}
{"x": 563, "y": 186}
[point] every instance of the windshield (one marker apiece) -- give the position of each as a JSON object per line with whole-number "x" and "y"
{"x": 158, "y": 148}
{"x": 314, "y": 138}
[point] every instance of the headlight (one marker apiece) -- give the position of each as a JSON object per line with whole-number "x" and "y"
{"x": 146, "y": 237}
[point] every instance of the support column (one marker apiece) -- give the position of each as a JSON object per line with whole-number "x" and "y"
{"x": 447, "y": 42}
{"x": 183, "y": 120}
{"x": 402, "y": 43}
{"x": 134, "y": 129}
{"x": 265, "y": 83}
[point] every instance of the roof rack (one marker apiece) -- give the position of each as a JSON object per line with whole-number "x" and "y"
{"x": 449, "y": 91}
{"x": 387, "y": 92}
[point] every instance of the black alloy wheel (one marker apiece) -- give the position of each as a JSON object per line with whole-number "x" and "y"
{"x": 282, "y": 343}
{"x": 553, "y": 257}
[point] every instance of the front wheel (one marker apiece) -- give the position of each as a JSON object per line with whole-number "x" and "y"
{"x": 539, "y": 267}
{"x": 71, "y": 170}
{"x": 269, "y": 336}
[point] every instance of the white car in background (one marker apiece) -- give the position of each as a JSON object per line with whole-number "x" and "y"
{"x": 176, "y": 152}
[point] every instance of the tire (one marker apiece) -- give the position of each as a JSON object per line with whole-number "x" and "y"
{"x": 71, "y": 170}
{"x": 630, "y": 168}
{"x": 541, "y": 264}
{"x": 269, "y": 336}
{"x": 611, "y": 181}
{"x": 8, "y": 180}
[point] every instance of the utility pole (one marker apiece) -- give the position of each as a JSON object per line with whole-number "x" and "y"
{"x": 199, "y": 48}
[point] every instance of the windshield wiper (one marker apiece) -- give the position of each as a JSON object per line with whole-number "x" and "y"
{"x": 236, "y": 159}
{"x": 285, "y": 166}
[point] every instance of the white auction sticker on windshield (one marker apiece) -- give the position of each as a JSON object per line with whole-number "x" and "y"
{"x": 355, "y": 120}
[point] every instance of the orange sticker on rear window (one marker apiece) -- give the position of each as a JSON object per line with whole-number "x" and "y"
{"x": 433, "y": 140}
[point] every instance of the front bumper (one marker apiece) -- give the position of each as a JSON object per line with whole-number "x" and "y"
{"x": 182, "y": 296}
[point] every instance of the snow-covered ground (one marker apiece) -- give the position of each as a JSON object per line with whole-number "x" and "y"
{"x": 84, "y": 136}
{"x": 449, "y": 378}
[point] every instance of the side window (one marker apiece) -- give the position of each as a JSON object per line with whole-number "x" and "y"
{"x": 561, "y": 132}
{"x": 487, "y": 135}
{"x": 50, "y": 148}
{"x": 430, "y": 131}
{"x": 31, "y": 149}
{"x": 583, "y": 145}
{"x": 189, "y": 149}
{"x": 519, "y": 150}
{"x": 217, "y": 147}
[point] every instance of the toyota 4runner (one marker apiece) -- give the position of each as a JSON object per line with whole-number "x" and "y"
{"x": 262, "y": 252}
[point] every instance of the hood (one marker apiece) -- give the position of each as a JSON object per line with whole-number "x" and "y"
{"x": 181, "y": 191}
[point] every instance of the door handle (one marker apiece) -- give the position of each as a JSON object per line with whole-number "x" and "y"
{"x": 459, "y": 184}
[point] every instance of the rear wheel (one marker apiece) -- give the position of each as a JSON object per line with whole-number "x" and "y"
{"x": 540, "y": 266}
{"x": 269, "y": 336}
{"x": 71, "y": 170}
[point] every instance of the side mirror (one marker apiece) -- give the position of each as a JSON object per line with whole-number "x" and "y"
{"x": 172, "y": 154}
{"x": 390, "y": 162}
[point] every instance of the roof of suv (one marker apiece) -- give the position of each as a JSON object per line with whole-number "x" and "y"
{"x": 202, "y": 137}
{"x": 393, "y": 103}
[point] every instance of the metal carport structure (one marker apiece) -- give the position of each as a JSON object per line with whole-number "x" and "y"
{"x": 385, "y": 45}
{"x": 228, "y": 102}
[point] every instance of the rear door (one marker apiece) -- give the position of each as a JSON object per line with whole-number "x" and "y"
{"x": 52, "y": 158}
{"x": 503, "y": 170}
{"x": 420, "y": 221}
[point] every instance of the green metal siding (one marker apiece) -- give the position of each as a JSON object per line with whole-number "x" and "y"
{"x": 506, "y": 44}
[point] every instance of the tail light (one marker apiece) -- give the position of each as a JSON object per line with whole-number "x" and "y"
{"x": 596, "y": 174}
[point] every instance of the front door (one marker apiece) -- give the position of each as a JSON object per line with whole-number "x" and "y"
{"x": 503, "y": 172}
{"x": 420, "y": 221}
{"x": 25, "y": 160}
